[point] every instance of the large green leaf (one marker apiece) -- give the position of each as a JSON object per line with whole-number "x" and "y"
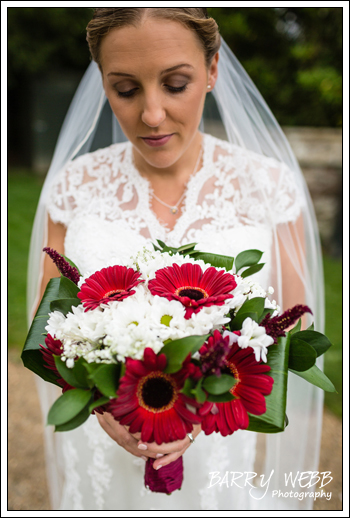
{"x": 64, "y": 305}
{"x": 218, "y": 385}
{"x": 216, "y": 260}
{"x": 253, "y": 269}
{"x": 301, "y": 355}
{"x": 78, "y": 376}
{"x": 316, "y": 377}
{"x": 31, "y": 355}
{"x": 247, "y": 258}
{"x": 105, "y": 376}
{"x": 68, "y": 406}
{"x": 273, "y": 420}
{"x": 177, "y": 350}
{"x": 318, "y": 341}
{"x": 255, "y": 305}
{"x": 220, "y": 398}
{"x": 68, "y": 289}
{"x": 76, "y": 421}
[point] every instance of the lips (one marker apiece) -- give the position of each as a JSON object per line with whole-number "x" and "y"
{"x": 157, "y": 140}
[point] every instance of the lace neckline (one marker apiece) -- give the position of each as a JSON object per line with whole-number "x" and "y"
{"x": 144, "y": 192}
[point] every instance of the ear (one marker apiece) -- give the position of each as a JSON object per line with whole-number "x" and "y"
{"x": 213, "y": 71}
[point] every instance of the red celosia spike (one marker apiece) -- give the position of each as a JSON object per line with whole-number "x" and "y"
{"x": 63, "y": 266}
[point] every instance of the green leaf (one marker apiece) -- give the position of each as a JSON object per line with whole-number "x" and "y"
{"x": 101, "y": 401}
{"x": 247, "y": 258}
{"x": 301, "y": 355}
{"x": 218, "y": 385}
{"x": 68, "y": 406}
{"x": 188, "y": 387}
{"x": 76, "y": 421}
{"x": 68, "y": 289}
{"x": 316, "y": 377}
{"x": 317, "y": 340}
{"x": 186, "y": 248}
{"x": 237, "y": 322}
{"x": 252, "y": 270}
{"x": 177, "y": 350}
{"x": 311, "y": 328}
{"x": 77, "y": 376}
{"x": 31, "y": 355}
{"x": 198, "y": 392}
{"x": 105, "y": 377}
{"x": 64, "y": 305}
{"x": 273, "y": 420}
{"x": 216, "y": 260}
{"x": 254, "y": 305}
{"x": 220, "y": 398}
{"x": 296, "y": 328}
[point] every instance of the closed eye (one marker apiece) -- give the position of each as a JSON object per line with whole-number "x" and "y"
{"x": 171, "y": 89}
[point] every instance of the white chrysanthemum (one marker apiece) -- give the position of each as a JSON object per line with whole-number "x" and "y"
{"x": 253, "y": 335}
{"x": 55, "y": 323}
{"x": 208, "y": 319}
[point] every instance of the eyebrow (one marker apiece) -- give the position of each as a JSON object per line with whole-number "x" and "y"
{"x": 171, "y": 69}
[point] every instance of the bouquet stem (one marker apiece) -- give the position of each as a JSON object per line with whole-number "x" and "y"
{"x": 165, "y": 480}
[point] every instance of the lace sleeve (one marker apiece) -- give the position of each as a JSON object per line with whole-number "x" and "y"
{"x": 284, "y": 194}
{"x": 62, "y": 198}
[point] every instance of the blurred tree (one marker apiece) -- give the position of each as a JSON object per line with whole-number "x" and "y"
{"x": 294, "y": 56}
{"x": 45, "y": 39}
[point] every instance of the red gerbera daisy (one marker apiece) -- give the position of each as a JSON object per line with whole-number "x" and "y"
{"x": 112, "y": 283}
{"x": 250, "y": 389}
{"x": 54, "y": 347}
{"x": 193, "y": 288}
{"x": 149, "y": 400}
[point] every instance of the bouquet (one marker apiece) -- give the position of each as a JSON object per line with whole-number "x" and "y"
{"x": 173, "y": 338}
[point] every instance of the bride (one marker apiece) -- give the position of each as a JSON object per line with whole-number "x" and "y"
{"x": 165, "y": 178}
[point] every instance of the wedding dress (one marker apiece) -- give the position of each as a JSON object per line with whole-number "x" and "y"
{"x": 106, "y": 206}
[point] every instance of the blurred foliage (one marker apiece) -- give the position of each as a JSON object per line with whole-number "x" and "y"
{"x": 294, "y": 55}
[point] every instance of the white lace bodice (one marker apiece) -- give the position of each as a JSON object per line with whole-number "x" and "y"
{"x": 105, "y": 205}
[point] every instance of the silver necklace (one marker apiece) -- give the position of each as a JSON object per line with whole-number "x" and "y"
{"x": 174, "y": 209}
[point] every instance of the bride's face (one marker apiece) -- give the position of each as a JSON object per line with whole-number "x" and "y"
{"x": 156, "y": 80}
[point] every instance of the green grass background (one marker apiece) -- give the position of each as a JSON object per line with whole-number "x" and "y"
{"x": 23, "y": 193}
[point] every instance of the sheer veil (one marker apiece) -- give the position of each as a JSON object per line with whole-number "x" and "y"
{"x": 247, "y": 122}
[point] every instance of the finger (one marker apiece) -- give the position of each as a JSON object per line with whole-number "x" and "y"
{"x": 165, "y": 447}
{"x": 167, "y": 459}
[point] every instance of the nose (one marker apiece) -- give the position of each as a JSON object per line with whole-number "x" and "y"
{"x": 153, "y": 113}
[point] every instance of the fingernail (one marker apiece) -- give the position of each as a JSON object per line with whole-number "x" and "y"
{"x": 159, "y": 455}
{"x": 158, "y": 467}
{"x": 142, "y": 447}
{"x": 144, "y": 458}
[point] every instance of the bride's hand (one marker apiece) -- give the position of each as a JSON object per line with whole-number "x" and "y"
{"x": 164, "y": 453}
{"x": 167, "y": 452}
{"x": 121, "y": 436}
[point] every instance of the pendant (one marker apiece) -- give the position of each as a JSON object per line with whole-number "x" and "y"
{"x": 174, "y": 210}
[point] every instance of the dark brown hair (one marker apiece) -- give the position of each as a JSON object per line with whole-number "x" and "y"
{"x": 194, "y": 18}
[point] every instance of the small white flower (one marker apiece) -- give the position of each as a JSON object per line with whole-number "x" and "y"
{"x": 253, "y": 335}
{"x": 70, "y": 363}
